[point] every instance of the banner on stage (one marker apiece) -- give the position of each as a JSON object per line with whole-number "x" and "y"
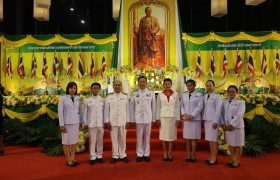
{"x": 46, "y": 68}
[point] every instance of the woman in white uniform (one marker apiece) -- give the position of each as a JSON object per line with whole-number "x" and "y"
{"x": 168, "y": 117}
{"x": 70, "y": 117}
{"x": 233, "y": 110}
{"x": 211, "y": 116}
{"x": 191, "y": 108}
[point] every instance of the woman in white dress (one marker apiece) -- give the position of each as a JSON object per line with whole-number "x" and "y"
{"x": 191, "y": 108}
{"x": 233, "y": 110}
{"x": 70, "y": 118}
{"x": 168, "y": 117}
{"x": 211, "y": 116}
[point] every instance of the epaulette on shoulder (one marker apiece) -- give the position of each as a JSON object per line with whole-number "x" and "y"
{"x": 185, "y": 92}
{"x": 124, "y": 93}
{"x": 110, "y": 93}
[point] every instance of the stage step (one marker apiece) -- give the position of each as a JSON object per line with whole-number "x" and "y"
{"x": 131, "y": 133}
{"x": 156, "y": 144}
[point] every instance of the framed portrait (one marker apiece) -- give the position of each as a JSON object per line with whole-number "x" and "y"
{"x": 148, "y": 34}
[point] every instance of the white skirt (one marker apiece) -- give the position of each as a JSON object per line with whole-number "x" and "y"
{"x": 210, "y": 133}
{"x": 235, "y": 138}
{"x": 71, "y": 135}
{"x": 192, "y": 129}
{"x": 168, "y": 129}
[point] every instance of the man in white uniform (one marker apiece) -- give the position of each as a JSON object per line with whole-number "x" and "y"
{"x": 117, "y": 119}
{"x": 142, "y": 110}
{"x": 93, "y": 119}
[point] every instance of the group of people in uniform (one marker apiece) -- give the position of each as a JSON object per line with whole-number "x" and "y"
{"x": 117, "y": 111}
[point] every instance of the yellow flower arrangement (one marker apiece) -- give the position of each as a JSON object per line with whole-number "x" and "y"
{"x": 126, "y": 69}
{"x": 222, "y": 144}
{"x": 30, "y": 100}
{"x": 188, "y": 72}
{"x": 111, "y": 72}
{"x": 83, "y": 136}
{"x": 264, "y": 99}
{"x": 172, "y": 68}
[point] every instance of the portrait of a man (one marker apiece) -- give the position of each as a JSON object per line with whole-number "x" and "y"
{"x": 148, "y": 37}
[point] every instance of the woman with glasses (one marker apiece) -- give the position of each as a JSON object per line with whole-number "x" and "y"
{"x": 233, "y": 110}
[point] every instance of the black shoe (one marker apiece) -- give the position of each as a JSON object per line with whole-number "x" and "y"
{"x": 92, "y": 162}
{"x": 207, "y": 161}
{"x": 188, "y": 160}
{"x": 125, "y": 159}
{"x": 70, "y": 165}
{"x": 170, "y": 159}
{"x": 139, "y": 159}
{"x": 2, "y": 152}
{"x": 147, "y": 158}
{"x": 214, "y": 163}
{"x": 100, "y": 160}
{"x": 193, "y": 160}
{"x": 75, "y": 163}
{"x": 229, "y": 163}
{"x": 113, "y": 160}
{"x": 234, "y": 166}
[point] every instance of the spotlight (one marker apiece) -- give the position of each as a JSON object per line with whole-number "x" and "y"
{"x": 71, "y": 9}
{"x": 83, "y": 21}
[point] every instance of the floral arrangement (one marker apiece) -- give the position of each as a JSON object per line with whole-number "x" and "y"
{"x": 159, "y": 71}
{"x": 188, "y": 72}
{"x": 137, "y": 72}
{"x": 111, "y": 72}
{"x": 30, "y": 100}
{"x": 222, "y": 143}
{"x": 172, "y": 69}
{"x": 149, "y": 69}
{"x": 34, "y": 100}
{"x": 270, "y": 99}
{"x": 155, "y": 87}
{"x": 83, "y": 136}
{"x": 126, "y": 69}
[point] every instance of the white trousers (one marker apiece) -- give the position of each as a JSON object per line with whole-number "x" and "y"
{"x": 96, "y": 142}
{"x": 143, "y": 132}
{"x": 118, "y": 137}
